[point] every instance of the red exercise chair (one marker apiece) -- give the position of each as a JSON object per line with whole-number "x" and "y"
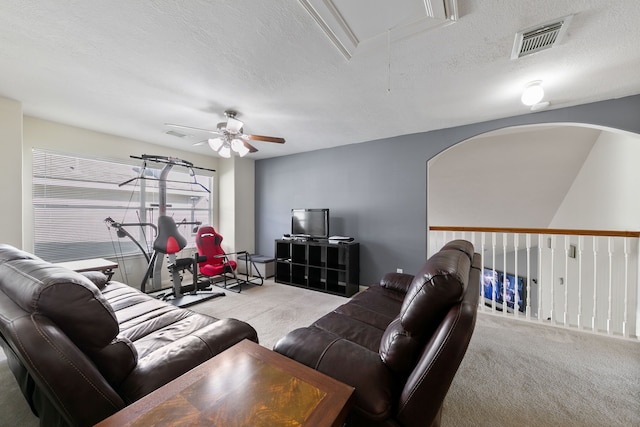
{"x": 217, "y": 263}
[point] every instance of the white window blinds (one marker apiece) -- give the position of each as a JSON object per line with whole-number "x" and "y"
{"x": 73, "y": 196}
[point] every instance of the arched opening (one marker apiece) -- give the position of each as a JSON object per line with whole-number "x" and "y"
{"x": 549, "y": 177}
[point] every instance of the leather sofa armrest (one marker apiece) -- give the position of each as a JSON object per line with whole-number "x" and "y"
{"x": 344, "y": 361}
{"x": 116, "y": 360}
{"x": 63, "y": 375}
{"x": 397, "y": 281}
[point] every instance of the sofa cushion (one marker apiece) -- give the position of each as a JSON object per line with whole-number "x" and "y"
{"x": 397, "y": 281}
{"x": 98, "y": 278}
{"x": 116, "y": 360}
{"x": 437, "y": 286}
{"x": 380, "y": 300}
{"x": 460, "y": 245}
{"x": 157, "y": 365}
{"x": 9, "y": 253}
{"x": 354, "y": 330}
{"x": 398, "y": 349}
{"x": 365, "y": 315}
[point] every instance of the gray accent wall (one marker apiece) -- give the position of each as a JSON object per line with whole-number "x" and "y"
{"x": 376, "y": 191}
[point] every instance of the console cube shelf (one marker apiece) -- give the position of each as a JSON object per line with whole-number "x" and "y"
{"x": 320, "y": 266}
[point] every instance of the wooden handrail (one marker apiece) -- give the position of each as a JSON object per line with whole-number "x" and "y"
{"x": 565, "y": 231}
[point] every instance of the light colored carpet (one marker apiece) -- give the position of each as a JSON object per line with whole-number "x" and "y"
{"x": 522, "y": 374}
{"x": 14, "y": 410}
{"x": 272, "y": 309}
{"x": 514, "y": 373}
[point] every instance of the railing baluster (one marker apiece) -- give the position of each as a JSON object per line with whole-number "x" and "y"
{"x": 625, "y": 331}
{"x": 566, "y": 281}
{"x": 540, "y": 280}
{"x": 580, "y": 249}
{"x": 516, "y": 303}
{"x": 552, "y": 282}
{"x": 528, "y": 294}
{"x": 483, "y": 239}
{"x": 594, "y": 313}
{"x": 610, "y": 297}
{"x": 504, "y": 278}
{"x": 493, "y": 267}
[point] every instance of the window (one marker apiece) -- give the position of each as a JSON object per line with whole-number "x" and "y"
{"x": 73, "y": 196}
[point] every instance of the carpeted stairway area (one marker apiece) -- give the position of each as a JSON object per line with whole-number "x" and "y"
{"x": 514, "y": 374}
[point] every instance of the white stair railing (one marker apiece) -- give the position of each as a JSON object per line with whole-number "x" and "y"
{"x": 583, "y": 279}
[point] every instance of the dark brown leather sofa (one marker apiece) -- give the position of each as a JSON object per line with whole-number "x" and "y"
{"x": 398, "y": 343}
{"x": 83, "y": 349}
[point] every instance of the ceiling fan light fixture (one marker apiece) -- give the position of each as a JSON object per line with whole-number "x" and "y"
{"x": 533, "y": 93}
{"x": 215, "y": 143}
{"x": 243, "y": 151}
{"x": 225, "y": 151}
{"x": 236, "y": 145}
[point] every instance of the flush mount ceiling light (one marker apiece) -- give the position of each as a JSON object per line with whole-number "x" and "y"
{"x": 533, "y": 93}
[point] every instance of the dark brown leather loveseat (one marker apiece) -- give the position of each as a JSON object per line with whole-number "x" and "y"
{"x": 398, "y": 343}
{"x": 83, "y": 349}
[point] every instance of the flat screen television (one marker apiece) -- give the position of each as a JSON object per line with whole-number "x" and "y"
{"x": 501, "y": 288}
{"x": 310, "y": 223}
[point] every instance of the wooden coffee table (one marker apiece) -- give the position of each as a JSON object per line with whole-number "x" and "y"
{"x": 246, "y": 385}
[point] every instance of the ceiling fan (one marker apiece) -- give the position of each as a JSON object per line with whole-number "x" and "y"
{"x": 230, "y": 136}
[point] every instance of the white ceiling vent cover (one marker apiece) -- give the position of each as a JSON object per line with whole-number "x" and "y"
{"x": 174, "y": 133}
{"x": 539, "y": 38}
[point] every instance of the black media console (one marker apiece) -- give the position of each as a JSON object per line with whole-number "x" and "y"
{"x": 327, "y": 267}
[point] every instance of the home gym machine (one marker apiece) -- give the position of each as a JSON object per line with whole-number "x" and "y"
{"x": 168, "y": 240}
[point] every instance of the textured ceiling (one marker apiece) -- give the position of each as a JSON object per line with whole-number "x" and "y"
{"x": 127, "y": 67}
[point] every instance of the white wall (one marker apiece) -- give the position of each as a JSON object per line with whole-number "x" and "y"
{"x": 245, "y": 205}
{"x": 11, "y": 172}
{"x": 514, "y": 177}
{"x": 604, "y": 194}
{"x": 227, "y": 202}
{"x": 237, "y": 204}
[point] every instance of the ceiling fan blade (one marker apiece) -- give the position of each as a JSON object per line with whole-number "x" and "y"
{"x": 215, "y": 132}
{"x": 234, "y": 125}
{"x": 265, "y": 138}
{"x": 204, "y": 141}
{"x": 251, "y": 148}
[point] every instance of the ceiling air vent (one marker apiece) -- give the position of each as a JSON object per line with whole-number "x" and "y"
{"x": 174, "y": 133}
{"x": 539, "y": 38}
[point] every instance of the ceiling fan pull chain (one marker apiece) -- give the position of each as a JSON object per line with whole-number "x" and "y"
{"x": 389, "y": 60}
